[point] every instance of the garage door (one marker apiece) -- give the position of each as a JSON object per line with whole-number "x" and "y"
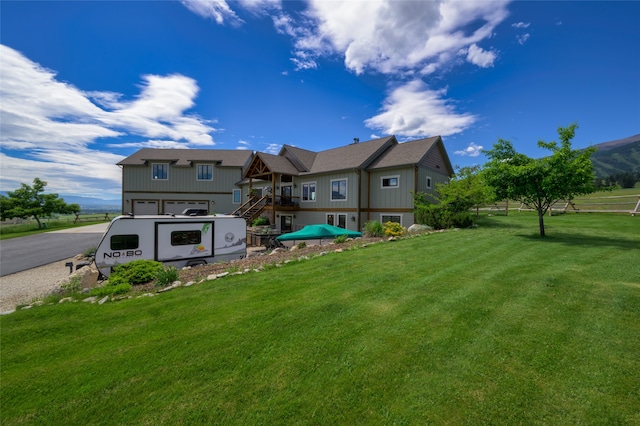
{"x": 177, "y": 207}
{"x": 145, "y": 207}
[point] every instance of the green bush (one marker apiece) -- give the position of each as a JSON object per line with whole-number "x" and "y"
{"x": 137, "y": 272}
{"x": 373, "y": 229}
{"x": 166, "y": 276}
{"x": 393, "y": 229}
{"x": 439, "y": 216}
{"x": 302, "y": 245}
{"x": 110, "y": 289}
{"x": 340, "y": 239}
{"x": 261, "y": 221}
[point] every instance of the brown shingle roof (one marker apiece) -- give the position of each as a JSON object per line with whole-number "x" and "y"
{"x": 405, "y": 153}
{"x": 185, "y": 157}
{"x": 301, "y": 158}
{"x": 357, "y": 155}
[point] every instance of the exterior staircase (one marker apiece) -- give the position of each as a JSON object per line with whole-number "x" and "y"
{"x": 252, "y": 208}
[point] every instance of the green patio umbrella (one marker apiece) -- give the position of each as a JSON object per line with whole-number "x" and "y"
{"x": 318, "y": 232}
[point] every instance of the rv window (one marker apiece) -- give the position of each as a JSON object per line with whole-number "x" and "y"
{"x": 124, "y": 242}
{"x": 185, "y": 238}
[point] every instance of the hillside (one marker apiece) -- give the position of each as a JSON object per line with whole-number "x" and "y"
{"x": 619, "y": 156}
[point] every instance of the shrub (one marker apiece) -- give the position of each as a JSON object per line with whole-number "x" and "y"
{"x": 73, "y": 285}
{"x": 166, "y": 276}
{"x": 91, "y": 251}
{"x": 393, "y": 229}
{"x": 373, "y": 229}
{"x": 340, "y": 239}
{"x": 261, "y": 221}
{"x": 461, "y": 220}
{"x": 302, "y": 245}
{"x": 137, "y": 272}
{"x": 110, "y": 289}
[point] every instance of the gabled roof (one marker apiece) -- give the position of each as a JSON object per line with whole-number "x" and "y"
{"x": 413, "y": 153}
{"x": 263, "y": 164}
{"x": 186, "y": 157}
{"x": 354, "y": 156}
{"x": 302, "y": 159}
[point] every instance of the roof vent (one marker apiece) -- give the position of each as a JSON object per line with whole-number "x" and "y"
{"x": 356, "y": 140}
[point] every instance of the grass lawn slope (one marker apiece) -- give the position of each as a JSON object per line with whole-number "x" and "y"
{"x": 492, "y": 325}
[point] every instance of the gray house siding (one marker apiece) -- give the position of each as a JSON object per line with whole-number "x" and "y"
{"x": 181, "y": 185}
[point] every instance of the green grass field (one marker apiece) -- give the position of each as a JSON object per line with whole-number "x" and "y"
{"x": 492, "y": 325}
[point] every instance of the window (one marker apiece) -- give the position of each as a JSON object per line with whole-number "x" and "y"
{"x": 428, "y": 182}
{"x": 160, "y": 171}
{"x": 185, "y": 238}
{"x": 309, "y": 191}
{"x": 237, "y": 196}
{"x": 391, "y": 218}
{"x": 339, "y": 220}
{"x": 339, "y": 190}
{"x": 205, "y": 172}
{"x": 390, "y": 182}
{"x": 124, "y": 242}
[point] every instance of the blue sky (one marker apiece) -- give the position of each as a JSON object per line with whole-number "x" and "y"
{"x": 85, "y": 83}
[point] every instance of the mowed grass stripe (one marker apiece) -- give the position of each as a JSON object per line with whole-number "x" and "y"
{"x": 488, "y": 325}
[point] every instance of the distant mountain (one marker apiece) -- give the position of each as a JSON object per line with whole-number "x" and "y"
{"x": 619, "y": 156}
{"x": 88, "y": 201}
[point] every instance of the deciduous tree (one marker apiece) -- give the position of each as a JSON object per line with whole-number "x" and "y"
{"x": 541, "y": 182}
{"x": 31, "y": 201}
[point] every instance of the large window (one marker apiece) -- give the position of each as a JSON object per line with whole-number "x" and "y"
{"x": 339, "y": 190}
{"x": 124, "y": 242}
{"x": 205, "y": 172}
{"x": 237, "y": 196}
{"x": 309, "y": 191}
{"x": 185, "y": 238}
{"x": 390, "y": 182}
{"x": 160, "y": 171}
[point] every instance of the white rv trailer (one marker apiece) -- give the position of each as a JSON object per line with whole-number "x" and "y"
{"x": 176, "y": 240}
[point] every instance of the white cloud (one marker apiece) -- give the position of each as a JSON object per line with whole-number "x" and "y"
{"x": 521, "y": 25}
{"x": 273, "y": 148}
{"x": 218, "y": 10}
{"x": 393, "y": 36}
{"x": 522, "y": 39}
{"x": 482, "y": 58}
{"x": 472, "y": 150}
{"x": 415, "y": 110}
{"x": 54, "y": 124}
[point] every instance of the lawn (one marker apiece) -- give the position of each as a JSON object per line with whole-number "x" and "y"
{"x": 492, "y": 325}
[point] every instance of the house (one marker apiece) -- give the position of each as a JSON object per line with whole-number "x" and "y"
{"x": 345, "y": 186}
{"x": 165, "y": 181}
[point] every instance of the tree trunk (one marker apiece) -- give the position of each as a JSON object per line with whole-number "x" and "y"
{"x": 37, "y": 220}
{"x": 541, "y": 221}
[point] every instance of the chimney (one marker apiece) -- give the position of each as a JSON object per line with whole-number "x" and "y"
{"x": 356, "y": 140}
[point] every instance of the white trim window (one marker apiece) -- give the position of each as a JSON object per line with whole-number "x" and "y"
{"x": 309, "y": 191}
{"x": 204, "y": 172}
{"x": 337, "y": 219}
{"x": 160, "y": 171}
{"x": 237, "y": 196}
{"x": 397, "y": 218}
{"x": 429, "y": 182}
{"x": 390, "y": 182}
{"x": 339, "y": 189}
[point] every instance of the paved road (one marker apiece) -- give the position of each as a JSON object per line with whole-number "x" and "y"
{"x": 20, "y": 254}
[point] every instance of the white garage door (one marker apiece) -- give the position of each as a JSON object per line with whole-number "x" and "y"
{"x": 177, "y": 207}
{"x": 145, "y": 207}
